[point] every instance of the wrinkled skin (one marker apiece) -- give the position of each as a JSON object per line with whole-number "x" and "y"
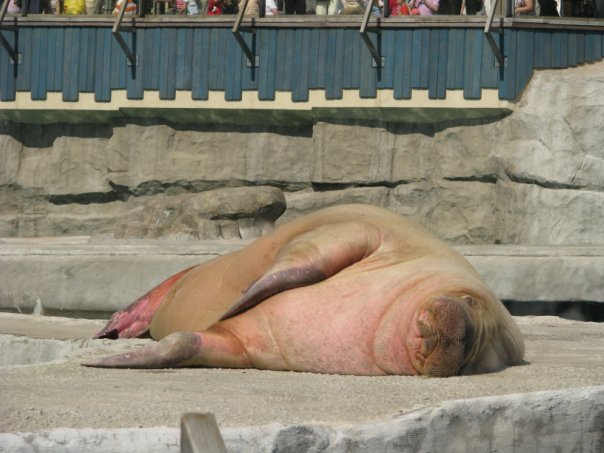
{"x": 348, "y": 290}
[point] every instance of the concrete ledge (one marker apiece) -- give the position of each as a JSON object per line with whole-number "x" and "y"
{"x": 565, "y": 420}
{"x": 77, "y": 274}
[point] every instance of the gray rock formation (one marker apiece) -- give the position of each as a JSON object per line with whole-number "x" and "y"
{"x": 535, "y": 177}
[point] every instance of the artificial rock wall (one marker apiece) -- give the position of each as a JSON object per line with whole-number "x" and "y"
{"x": 535, "y": 177}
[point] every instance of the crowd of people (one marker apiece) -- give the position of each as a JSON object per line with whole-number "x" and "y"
{"x": 278, "y": 7}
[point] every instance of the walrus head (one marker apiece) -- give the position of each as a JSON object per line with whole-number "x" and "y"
{"x": 459, "y": 334}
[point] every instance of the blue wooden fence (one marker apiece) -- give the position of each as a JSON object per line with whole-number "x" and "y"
{"x": 74, "y": 58}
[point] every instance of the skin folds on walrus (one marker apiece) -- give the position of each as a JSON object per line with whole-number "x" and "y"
{"x": 351, "y": 289}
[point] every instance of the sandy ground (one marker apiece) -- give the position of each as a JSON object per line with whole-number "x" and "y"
{"x": 60, "y": 393}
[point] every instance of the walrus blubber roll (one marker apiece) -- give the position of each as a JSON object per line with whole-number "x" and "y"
{"x": 351, "y": 289}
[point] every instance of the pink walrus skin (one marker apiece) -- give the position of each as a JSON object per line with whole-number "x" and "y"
{"x": 351, "y": 289}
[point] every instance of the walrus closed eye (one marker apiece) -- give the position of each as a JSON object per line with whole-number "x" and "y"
{"x": 350, "y": 289}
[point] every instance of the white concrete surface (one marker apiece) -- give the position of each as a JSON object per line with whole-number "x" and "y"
{"x": 554, "y": 402}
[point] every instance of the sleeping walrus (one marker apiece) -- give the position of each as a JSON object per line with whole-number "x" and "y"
{"x": 348, "y": 290}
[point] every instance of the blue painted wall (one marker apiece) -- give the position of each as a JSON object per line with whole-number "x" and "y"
{"x": 78, "y": 59}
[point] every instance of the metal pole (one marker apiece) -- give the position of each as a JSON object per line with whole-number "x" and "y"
{"x": 118, "y": 36}
{"x": 12, "y": 53}
{"x": 375, "y": 55}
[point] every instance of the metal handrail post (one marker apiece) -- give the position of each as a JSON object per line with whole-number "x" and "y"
{"x": 12, "y": 53}
{"x": 489, "y": 36}
{"x": 375, "y": 55}
{"x": 237, "y": 29}
{"x": 118, "y": 36}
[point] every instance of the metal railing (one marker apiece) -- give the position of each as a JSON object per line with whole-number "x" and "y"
{"x": 377, "y": 59}
{"x": 252, "y": 60}
{"x": 14, "y": 56}
{"x": 488, "y": 33}
{"x": 116, "y": 31}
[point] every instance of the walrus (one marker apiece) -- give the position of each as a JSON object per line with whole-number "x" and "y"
{"x": 350, "y": 289}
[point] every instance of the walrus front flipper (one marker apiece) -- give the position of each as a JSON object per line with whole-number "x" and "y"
{"x": 310, "y": 258}
{"x": 134, "y": 320}
{"x": 181, "y": 349}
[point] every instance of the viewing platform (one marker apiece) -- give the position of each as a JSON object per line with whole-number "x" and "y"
{"x": 239, "y": 68}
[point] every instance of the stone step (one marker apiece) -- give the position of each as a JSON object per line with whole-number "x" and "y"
{"x": 84, "y": 275}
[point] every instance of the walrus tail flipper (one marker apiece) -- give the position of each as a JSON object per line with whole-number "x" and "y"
{"x": 181, "y": 349}
{"x": 133, "y": 321}
{"x": 310, "y": 258}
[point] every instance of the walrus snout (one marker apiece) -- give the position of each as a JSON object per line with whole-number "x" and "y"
{"x": 445, "y": 335}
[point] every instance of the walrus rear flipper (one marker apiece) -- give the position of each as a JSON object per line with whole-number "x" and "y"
{"x": 310, "y": 258}
{"x": 133, "y": 321}
{"x": 181, "y": 349}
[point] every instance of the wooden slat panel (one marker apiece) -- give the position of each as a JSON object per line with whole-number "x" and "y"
{"x": 540, "y": 45}
{"x": 314, "y": 49}
{"x": 367, "y": 85}
{"x": 83, "y": 51}
{"x": 300, "y": 88}
{"x": 330, "y": 66}
{"x": 539, "y": 42}
{"x": 322, "y": 62}
{"x": 167, "y": 61}
{"x": 71, "y": 65}
{"x": 340, "y": 63}
{"x": 432, "y": 54}
{"x": 284, "y": 38}
{"x": 42, "y": 75}
{"x": 384, "y": 76}
{"x": 506, "y": 86}
{"x": 266, "y": 71}
{"x": 5, "y": 64}
{"x": 8, "y": 71}
{"x": 402, "y": 65}
{"x": 51, "y": 45}
{"x": 217, "y": 60}
{"x": 102, "y": 87}
{"x": 233, "y": 60}
{"x": 59, "y": 58}
{"x": 147, "y": 57}
{"x": 441, "y": 80}
{"x": 572, "y": 49}
{"x": 556, "y": 50}
{"x": 135, "y": 74}
{"x": 425, "y": 58}
{"x": 490, "y": 72}
{"x": 201, "y": 62}
{"x": 473, "y": 64}
{"x": 598, "y": 45}
{"x": 350, "y": 79}
{"x": 151, "y": 47}
{"x": 250, "y": 75}
{"x": 421, "y": 54}
{"x": 119, "y": 62}
{"x": 580, "y": 47}
{"x": 590, "y": 51}
{"x": 88, "y": 85}
{"x": 37, "y": 65}
{"x": 184, "y": 50}
{"x": 289, "y": 61}
{"x": 525, "y": 57}
{"x": 357, "y": 46}
{"x": 437, "y": 63}
{"x": 416, "y": 58}
{"x": 24, "y": 48}
{"x": 455, "y": 62}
